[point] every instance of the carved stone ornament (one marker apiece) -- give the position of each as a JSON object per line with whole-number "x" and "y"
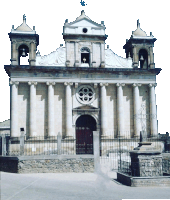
{"x": 152, "y": 84}
{"x": 67, "y": 83}
{"x": 85, "y": 94}
{"x": 50, "y": 83}
{"x": 32, "y": 83}
{"x": 120, "y": 84}
{"x": 14, "y": 83}
{"x": 56, "y": 58}
{"x": 114, "y": 61}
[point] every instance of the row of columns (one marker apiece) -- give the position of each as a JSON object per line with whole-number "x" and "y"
{"x": 68, "y": 110}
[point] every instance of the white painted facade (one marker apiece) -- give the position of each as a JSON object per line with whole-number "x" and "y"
{"x": 53, "y": 91}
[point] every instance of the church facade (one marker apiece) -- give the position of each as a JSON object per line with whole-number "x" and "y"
{"x": 82, "y": 87}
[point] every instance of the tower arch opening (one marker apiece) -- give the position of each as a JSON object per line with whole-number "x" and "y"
{"x": 143, "y": 59}
{"x": 23, "y": 52}
{"x": 85, "y": 56}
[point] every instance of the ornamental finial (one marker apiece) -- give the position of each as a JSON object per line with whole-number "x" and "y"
{"x": 138, "y": 24}
{"x": 24, "y": 18}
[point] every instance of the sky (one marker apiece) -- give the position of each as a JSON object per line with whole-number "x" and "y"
{"x": 120, "y": 18}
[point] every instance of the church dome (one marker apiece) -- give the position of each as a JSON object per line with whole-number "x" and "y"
{"x": 139, "y": 32}
{"x": 24, "y": 27}
{"x": 82, "y": 16}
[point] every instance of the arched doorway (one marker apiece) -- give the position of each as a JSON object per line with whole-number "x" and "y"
{"x": 85, "y": 125}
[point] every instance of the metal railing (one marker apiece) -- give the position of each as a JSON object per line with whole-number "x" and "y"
{"x": 145, "y": 169}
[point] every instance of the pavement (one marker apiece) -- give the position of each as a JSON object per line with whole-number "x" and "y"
{"x": 73, "y": 186}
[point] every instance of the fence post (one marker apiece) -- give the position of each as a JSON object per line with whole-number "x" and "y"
{"x": 3, "y": 145}
{"x": 59, "y": 144}
{"x": 22, "y": 144}
{"x": 96, "y": 148}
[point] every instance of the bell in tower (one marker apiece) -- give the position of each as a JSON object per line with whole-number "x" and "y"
{"x": 24, "y": 42}
{"x": 140, "y": 48}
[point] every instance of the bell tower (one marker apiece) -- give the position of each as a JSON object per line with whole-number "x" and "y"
{"x": 140, "y": 48}
{"x": 85, "y": 42}
{"x": 24, "y": 42}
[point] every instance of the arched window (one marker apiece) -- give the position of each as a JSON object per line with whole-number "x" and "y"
{"x": 143, "y": 59}
{"x": 23, "y": 52}
{"x": 85, "y": 56}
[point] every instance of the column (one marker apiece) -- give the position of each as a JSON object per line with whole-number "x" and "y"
{"x": 136, "y": 102}
{"x": 153, "y": 115}
{"x": 14, "y": 53}
{"x": 50, "y": 108}
{"x": 103, "y": 108}
{"x": 102, "y": 52}
{"x": 120, "y": 111}
{"x": 32, "y": 108}
{"x": 152, "y": 64}
{"x": 135, "y": 59}
{"x": 32, "y": 53}
{"x": 68, "y": 107}
{"x": 14, "y": 109}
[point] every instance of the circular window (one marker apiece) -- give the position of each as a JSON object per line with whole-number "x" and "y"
{"x": 84, "y": 30}
{"x": 85, "y": 94}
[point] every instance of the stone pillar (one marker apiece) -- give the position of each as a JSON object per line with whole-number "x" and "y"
{"x": 103, "y": 108}
{"x": 32, "y": 54}
{"x": 68, "y": 108}
{"x": 32, "y": 108}
{"x": 14, "y": 53}
{"x": 136, "y": 102}
{"x": 120, "y": 110}
{"x": 96, "y": 149}
{"x": 14, "y": 109}
{"x": 50, "y": 108}
{"x": 152, "y": 64}
{"x": 59, "y": 144}
{"x": 153, "y": 115}
{"x": 135, "y": 58}
{"x": 102, "y": 53}
{"x": 76, "y": 55}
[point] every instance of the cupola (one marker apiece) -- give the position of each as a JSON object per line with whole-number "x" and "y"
{"x": 140, "y": 48}
{"x": 24, "y": 42}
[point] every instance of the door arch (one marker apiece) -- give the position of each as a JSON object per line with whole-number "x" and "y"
{"x": 85, "y": 125}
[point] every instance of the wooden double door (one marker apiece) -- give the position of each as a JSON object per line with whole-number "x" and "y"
{"x": 85, "y": 125}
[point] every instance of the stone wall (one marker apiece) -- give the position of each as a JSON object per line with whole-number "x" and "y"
{"x": 47, "y": 164}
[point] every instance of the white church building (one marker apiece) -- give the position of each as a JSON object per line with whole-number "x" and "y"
{"x": 83, "y": 86}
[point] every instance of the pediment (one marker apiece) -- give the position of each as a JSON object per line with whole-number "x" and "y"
{"x": 85, "y": 22}
{"x": 86, "y": 107}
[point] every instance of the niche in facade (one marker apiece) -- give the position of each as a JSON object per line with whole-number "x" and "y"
{"x": 23, "y": 53}
{"x": 85, "y": 56}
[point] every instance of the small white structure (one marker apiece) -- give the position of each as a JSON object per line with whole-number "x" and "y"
{"x": 82, "y": 87}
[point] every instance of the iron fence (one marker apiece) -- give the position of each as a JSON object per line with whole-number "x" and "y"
{"x": 114, "y": 149}
{"x": 39, "y": 145}
{"x": 145, "y": 169}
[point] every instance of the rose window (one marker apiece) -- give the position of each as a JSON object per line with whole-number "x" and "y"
{"x": 85, "y": 94}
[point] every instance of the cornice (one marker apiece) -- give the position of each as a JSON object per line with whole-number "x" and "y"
{"x": 76, "y": 70}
